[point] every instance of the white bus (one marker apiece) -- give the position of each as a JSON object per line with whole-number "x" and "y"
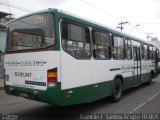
{"x": 57, "y": 58}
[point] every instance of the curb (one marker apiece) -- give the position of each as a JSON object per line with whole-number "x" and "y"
{"x": 1, "y": 83}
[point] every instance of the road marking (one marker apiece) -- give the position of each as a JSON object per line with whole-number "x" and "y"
{"x": 141, "y": 105}
{"x": 153, "y": 96}
{"x": 135, "y": 109}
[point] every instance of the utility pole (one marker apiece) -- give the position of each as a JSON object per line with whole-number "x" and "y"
{"x": 121, "y": 24}
{"x": 149, "y": 36}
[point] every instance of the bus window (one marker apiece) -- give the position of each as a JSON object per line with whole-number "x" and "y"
{"x": 158, "y": 55}
{"x": 76, "y": 40}
{"x": 148, "y": 52}
{"x": 118, "y": 47}
{"x": 145, "y": 51}
{"x": 154, "y": 52}
{"x": 142, "y": 51}
{"x": 151, "y": 52}
{"x": 102, "y": 45}
{"x": 31, "y": 32}
{"x": 128, "y": 49}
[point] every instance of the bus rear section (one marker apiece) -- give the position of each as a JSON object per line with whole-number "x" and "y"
{"x": 90, "y": 64}
{"x": 32, "y": 67}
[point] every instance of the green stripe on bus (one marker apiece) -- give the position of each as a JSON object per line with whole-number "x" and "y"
{"x": 83, "y": 94}
{"x": 114, "y": 69}
{"x": 136, "y": 67}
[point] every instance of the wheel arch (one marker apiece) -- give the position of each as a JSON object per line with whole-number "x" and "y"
{"x": 152, "y": 73}
{"x": 116, "y": 94}
{"x": 120, "y": 77}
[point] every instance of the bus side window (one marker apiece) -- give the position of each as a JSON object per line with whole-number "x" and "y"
{"x": 151, "y": 52}
{"x": 142, "y": 52}
{"x": 102, "y": 45}
{"x": 128, "y": 49}
{"x": 158, "y": 55}
{"x": 154, "y": 53}
{"x": 145, "y": 52}
{"x": 118, "y": 47}
{"x": 76, "y": 40}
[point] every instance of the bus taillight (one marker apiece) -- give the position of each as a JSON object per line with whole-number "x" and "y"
{"x": 52, "y": 77}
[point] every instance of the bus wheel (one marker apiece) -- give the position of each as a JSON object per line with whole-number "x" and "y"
{"x": 150, "y": 79}
{"x": 117, "y": 90}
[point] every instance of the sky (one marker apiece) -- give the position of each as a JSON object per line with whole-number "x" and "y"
{"x": 143, "y": 15}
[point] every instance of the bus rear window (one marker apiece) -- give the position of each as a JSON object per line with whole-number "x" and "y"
{"x": 32, "y": 32}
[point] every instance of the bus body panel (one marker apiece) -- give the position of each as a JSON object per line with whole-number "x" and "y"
{"x": 74, "y": 72}
{"x": 29, "y": 70}
{"x": 101, "y": 71}
{"x": 106, "y": 70}
{"x": 79, "y": 80}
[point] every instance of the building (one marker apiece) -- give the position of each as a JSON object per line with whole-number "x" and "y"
{"x": 4, "y": 18}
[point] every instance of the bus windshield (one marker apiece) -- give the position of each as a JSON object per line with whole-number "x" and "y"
{"x": 31, "y": 32}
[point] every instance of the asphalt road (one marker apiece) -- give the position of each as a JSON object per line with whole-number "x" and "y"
{"x": 142, "y": 99}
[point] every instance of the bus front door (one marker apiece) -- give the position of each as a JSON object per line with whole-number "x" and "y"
{"x": 137, "y": 66}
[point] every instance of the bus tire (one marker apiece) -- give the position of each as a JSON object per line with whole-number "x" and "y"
{"x": 117, "y": 90}
{"x": 150, "y": 79}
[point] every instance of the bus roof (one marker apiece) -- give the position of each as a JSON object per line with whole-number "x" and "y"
{"x": 103, "y": 27}
{"x": 90, "y": 23}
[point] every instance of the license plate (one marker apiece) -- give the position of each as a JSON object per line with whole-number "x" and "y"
{"x": 24, "y": 95}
